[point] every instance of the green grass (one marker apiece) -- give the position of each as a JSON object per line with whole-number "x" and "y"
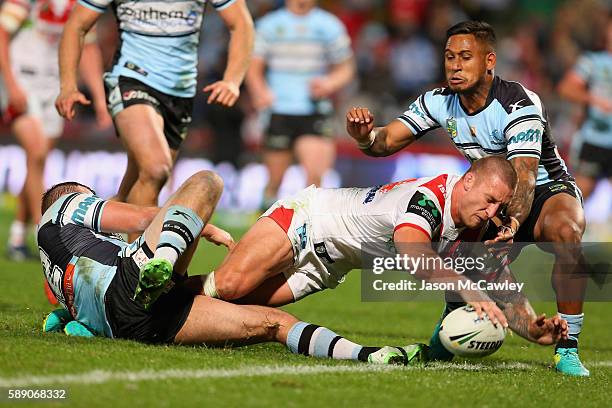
{"x": 26, "y": 352}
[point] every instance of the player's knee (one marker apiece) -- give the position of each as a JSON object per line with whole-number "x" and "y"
{"x": 155, "y": 173}
{"x": 209, "y": 181}
{"x": 231, "y": 286}
{"x": 567, "y": 232}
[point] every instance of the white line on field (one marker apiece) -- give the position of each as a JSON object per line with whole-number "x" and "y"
{"x": 104, "y": 376}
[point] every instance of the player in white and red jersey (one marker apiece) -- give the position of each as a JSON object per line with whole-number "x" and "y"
{"x": 29, "y": 40}
{"x": 309, "y": 242}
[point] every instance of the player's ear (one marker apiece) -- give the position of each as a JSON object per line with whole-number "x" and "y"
{"x": 491, "y": 61}
{"x": 468, "y": 181}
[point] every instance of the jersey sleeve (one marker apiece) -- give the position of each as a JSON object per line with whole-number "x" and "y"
{"x": 222, "y": 4}
{"x": 338, "y": 44}
{"x": 523, "y": 132}
{"x": 96, "y": 5}
{"x": 422, "y": 212}
{"x": 584, "y": 67}
{"x": 81, "y": 209}
{"x": 419, "y": 118}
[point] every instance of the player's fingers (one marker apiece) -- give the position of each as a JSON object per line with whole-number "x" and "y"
{"x": 82, "y": 99}
{"x": 353, "y": 115}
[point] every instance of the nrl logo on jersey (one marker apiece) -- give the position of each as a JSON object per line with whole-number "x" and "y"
{"x": 451, "y": 126}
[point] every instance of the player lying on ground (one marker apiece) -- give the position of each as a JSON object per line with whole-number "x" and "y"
{"x": 95, "y": 276}
{"x": 310, "y": 242}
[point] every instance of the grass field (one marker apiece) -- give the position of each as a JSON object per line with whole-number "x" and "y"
{"x": 102, "y": 372}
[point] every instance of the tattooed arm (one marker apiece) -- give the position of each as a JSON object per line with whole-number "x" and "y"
{"x": 521, "y": 317}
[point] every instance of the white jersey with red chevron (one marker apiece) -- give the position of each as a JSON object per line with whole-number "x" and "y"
{"x": 346, "y": 218}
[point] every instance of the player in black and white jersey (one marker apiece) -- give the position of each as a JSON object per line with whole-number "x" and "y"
{"x": 103, "y": 283}
{"x": 485, "y": 115}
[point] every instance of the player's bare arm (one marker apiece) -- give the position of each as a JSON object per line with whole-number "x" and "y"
{"x": 377, "y": 141}
{"x": 91, "y": 70}
{"x": 71, "y": 45}
{"x": 242, "y": 34}
{"x": 259, "y": 91}
{"x": 338, "y": 77}
{"x": 574, "y": 88}
{"x": 520, "y": 206}
{"x": 412, "y": 242}
{"x": 522, "y": 319}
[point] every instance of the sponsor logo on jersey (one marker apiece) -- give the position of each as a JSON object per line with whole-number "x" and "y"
{"x": 422, "y": 206}
{"x": 414, "y": 108}
{"x": 516, "y": 105}
{"x": 371, "y": 194}
{"x": 301, "y": 231}
{"x": 451, "y": 126}
{"x": 531, "y": 135}
{"x": 78, "y": 216}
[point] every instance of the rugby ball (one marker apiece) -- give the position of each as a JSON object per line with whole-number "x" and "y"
{"x": 465, "y": 334}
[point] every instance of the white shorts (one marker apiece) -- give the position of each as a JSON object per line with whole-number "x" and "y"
{"x": 308, "y": 274}
{"x": 35, "y": 67}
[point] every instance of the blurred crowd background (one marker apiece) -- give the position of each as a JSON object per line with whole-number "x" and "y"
{"x": 398, "y": 47}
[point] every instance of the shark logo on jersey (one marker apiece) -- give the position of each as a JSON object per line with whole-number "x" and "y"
{"x": 451, "y": 127}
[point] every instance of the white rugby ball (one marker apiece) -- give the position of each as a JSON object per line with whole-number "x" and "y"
{"x": 464, "y": 334}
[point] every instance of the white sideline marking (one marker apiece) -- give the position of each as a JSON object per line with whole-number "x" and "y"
{"x": 104, "y": 376}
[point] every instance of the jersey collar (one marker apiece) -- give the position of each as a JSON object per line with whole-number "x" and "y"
{"x": 490, "y": 98}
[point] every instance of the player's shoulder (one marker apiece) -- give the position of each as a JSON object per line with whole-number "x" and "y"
{"x": 272, "y": 18}
{"x": 513, "y": 96}
{"x": 326, "y": 21}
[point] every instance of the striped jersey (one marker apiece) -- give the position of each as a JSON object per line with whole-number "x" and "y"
{"x": 595, "y": 68}
{"x": 513, "y": 123}
{"x": 159, "y": 41}
{"x": 296, "y": 49}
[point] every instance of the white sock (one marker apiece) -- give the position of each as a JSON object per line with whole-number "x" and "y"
{"x": 210, "y": 289}
{"x": 17, "y": 233}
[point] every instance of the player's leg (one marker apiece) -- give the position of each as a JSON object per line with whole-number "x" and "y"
{"x": 277, "y": 154}
{"x": 316, "y": 155}
{"x": 263, "y": 252}
{"x": 215, "y": 322}
{"x": 175, "y": 232}
{"x": 561, "y": 222}
{"x": 277, "y": 162}
{"x": 141, "y": 129}
{"x": 29, "y": 132}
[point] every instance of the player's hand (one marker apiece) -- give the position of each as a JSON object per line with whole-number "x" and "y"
{"x": 224, "y": 93}
{"x": 548, "y": 331}
{"x": 603, "y": 104}
{"x": 491, "y": 310}
{"x": 17, "y": 100}
{"x": 359, "y": 124}
{"x": 321, "y": 87}
{"x": 66, "y": 100}
{"x": 218, "y": 236}
{"x": 262, "y": 99}
{"x": 505, "y": 232}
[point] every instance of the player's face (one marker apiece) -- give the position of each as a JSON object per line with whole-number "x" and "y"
{"x": 466, "y": 61}
{"x": 484, "y": 200}
{"x": 300, "y": 6}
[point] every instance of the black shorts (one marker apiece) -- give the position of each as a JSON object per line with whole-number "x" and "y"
{"x": 593, "y": 161}
{"x": 129, "y": 320}
{"x": 541, "y": 194}
{"x": 284, "y": 130}
{"x": 123, "y": 92}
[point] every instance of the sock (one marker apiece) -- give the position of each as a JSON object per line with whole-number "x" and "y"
{"x": 17, "y": 234}
{"x": 180, "y": 228}
{"x": 574, "y": 323}
{"x": 312, "y": 340}
{"x": 209, "y": 286}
